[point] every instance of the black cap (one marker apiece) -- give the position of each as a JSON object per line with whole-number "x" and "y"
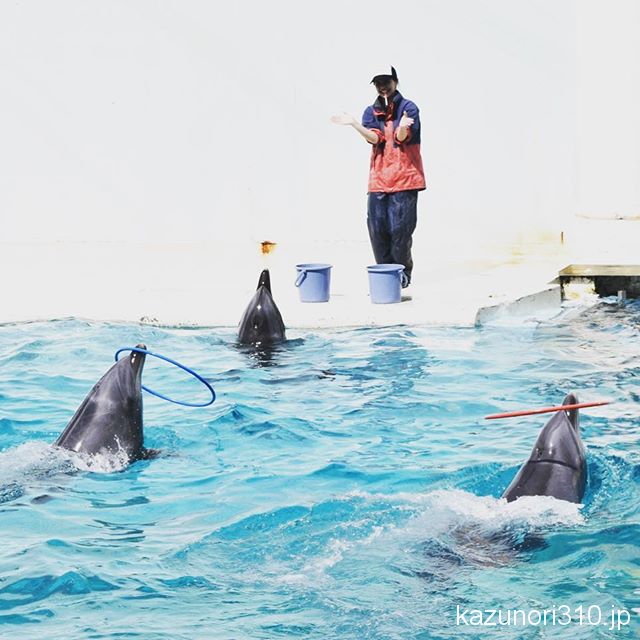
{"x": 385, "y": 76}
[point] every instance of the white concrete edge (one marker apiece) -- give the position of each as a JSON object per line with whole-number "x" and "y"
{"x": 541, "y": 305}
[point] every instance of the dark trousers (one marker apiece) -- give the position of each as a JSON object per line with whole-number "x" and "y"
{"x": 391, "y": 219}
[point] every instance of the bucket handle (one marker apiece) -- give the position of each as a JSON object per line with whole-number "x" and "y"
{"x": 301, "y": 276}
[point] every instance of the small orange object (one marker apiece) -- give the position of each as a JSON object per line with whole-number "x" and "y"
{"x": 267, "y": 247}
{"x": 530, "y": 412}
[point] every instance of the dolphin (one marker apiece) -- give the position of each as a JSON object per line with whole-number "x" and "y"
{"x": 261, "y": 322}
{"x": 110, "y": 417}
{"x": 557, "y": 465}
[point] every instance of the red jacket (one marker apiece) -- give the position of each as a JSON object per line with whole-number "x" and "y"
{"x": 395, "y": 166}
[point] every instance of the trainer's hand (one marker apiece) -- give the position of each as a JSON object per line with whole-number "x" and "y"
{"x": 405, "y": 121}
{"x": 343, "y": 118}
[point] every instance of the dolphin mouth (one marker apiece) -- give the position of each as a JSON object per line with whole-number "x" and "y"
{"x": 553, "y": 461}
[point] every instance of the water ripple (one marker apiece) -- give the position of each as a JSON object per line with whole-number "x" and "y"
{"x": 343, "y": 486}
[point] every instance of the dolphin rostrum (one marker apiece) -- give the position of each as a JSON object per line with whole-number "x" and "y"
{"x": 261, "y": 322}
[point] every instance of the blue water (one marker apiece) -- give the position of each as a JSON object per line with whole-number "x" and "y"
{"x": 347, "y": 486}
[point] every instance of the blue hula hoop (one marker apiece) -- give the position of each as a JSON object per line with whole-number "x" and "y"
{"x": 180, "y": 366}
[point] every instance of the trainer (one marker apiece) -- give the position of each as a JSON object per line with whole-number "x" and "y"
{"x": 392, "y": 126}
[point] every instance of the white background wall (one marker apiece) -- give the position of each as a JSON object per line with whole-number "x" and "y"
{"x": 608, "y": 109}
{"x": 194, "y": 121}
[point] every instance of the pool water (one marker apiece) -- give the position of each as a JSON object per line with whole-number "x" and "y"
{"x": 343, "y": 486}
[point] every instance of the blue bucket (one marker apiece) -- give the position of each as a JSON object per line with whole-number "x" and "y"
{"x": 385, "y": 282}
{"x": 313, "y": 281}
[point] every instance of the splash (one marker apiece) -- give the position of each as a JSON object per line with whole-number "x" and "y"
{"x": 471, "y": 529}
{"x": 440, "y": 510}
{"x": 25, "y": 467}
{"x": 102, "y": 462}
{"x": 33, "y": 459}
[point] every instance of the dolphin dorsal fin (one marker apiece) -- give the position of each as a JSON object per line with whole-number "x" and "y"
{"x": 265, "y": 280}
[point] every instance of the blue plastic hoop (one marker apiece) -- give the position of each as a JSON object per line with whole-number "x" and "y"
{"x": 180, "y": 366}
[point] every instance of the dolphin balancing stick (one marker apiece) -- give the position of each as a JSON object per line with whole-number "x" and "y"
{"x": 530, "y": 412}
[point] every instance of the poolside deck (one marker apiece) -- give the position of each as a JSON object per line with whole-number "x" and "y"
{"x": 202, "y": 284}
{"x": 210, "y": 283}
{"x": 607, "y": 279}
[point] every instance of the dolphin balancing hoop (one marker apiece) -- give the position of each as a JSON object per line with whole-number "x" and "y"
{"x": 180, "y": 366}
{"x": 531, "y": 412}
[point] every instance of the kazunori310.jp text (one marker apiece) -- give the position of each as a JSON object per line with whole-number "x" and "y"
{"x": 614, "y": 618}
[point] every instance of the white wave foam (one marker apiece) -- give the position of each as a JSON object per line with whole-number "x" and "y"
{"x": 102, "y": 462}
{"x": 31, "y": 462}
{"x": 437, "y": 513}
{"x": 314, "y": 571}
{"x": 32, "y": 458}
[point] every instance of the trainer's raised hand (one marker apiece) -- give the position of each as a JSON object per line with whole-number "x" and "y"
{"x": 343, "y": 118}
{"x": 405, "y": 121}
{"x": 347, "y": 118}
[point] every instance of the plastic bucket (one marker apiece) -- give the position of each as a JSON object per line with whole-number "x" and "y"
{"x": 385, "y": 282}
{"x": 313, "y": 282}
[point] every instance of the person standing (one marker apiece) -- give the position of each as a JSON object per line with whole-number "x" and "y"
{"x": 392, "y": 126}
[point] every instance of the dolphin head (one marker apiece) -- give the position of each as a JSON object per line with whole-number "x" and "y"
{"x": 110, "y": 417}
{"x": 261, "y": 322}
{"x": 557, "y": 464}
{"x": 559, "y": 440}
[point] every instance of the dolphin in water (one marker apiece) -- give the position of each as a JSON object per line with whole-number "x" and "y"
{"x": 110, "y": 417}
{"x": 557, "y": 465}
{"x": 261, "y": 322}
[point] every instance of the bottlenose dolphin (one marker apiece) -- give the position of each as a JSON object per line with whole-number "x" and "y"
{"x": 261, "y": 322}
{"x": 557, "y": 465}
{"x": 110, "y": 417}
